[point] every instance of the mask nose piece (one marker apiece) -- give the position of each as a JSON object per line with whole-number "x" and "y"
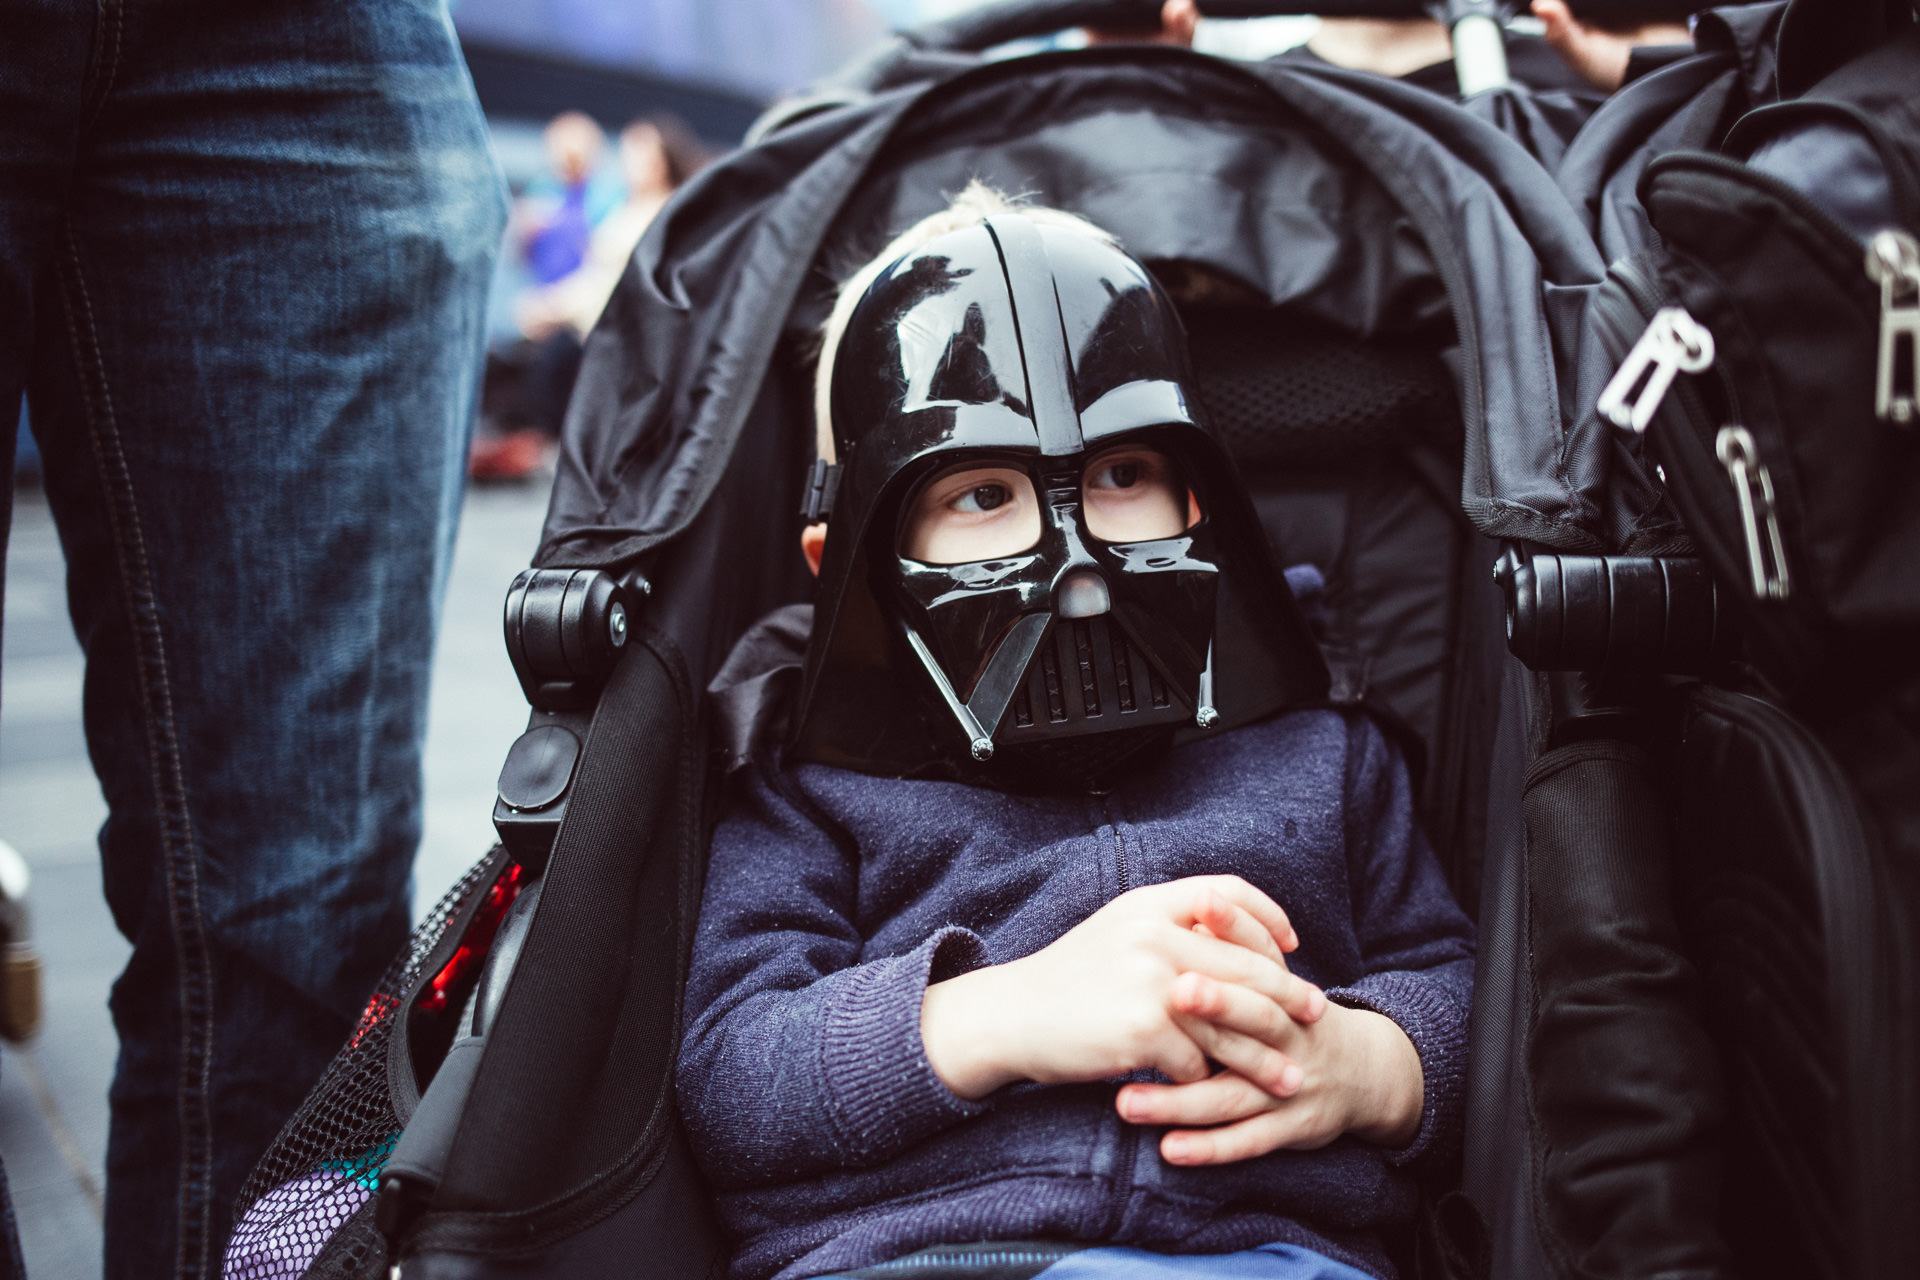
{"x": 1082, "y": 594}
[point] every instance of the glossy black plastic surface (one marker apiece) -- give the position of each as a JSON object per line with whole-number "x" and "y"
{"x": 534, "y": 783}
{"x": 1034, "y": 346}
{"x": 564, "y": 629}
{"x": 1626, "y": 614}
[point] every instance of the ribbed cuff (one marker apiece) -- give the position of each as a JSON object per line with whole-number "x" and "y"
{"x": 884, "y": 1094}
{"x": 1437, "y": 1026}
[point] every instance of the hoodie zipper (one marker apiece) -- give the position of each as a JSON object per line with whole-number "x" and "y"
{"x": 1126, "y": 1136}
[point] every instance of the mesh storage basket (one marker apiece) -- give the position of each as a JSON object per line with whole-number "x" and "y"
{"x": 320, "y": 1174}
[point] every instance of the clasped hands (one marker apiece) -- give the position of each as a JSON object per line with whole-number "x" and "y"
{"x": 1171, "y": 977}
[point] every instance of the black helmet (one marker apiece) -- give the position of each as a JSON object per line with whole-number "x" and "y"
{"x": 1038, "y": 348}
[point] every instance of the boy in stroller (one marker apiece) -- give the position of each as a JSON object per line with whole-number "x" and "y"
{"x": 980, "y": 884}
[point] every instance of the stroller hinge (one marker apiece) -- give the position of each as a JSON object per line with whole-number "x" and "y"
{"x": 1893, "y": 262}
{"x": 1674, "y": 342}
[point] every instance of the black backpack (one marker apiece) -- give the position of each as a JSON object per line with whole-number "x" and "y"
{"x": 1772, "y": 370}
{"x": 1767, "y": 375}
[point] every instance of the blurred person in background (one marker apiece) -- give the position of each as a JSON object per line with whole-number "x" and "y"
{"x": 1608, "y": 56}
{"x": 244, "y": 254}
{"x": 1583, "y": 59}
{"x": 554, "y": 220}
{"x": 1571, "y": 55}
{"x": 527, "y": 388}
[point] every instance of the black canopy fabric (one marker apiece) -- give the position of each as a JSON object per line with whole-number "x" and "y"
{"x": 1369, "y": 206}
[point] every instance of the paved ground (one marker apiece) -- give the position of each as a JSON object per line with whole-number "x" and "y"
{"x": 53, "y": 1118}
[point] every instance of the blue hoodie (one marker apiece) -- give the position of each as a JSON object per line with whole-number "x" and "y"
{"x": 833, "y": 898}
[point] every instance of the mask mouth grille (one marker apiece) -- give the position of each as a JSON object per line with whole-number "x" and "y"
{"x": 1086, "y": 678}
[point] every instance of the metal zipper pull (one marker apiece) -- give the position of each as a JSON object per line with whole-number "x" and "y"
{"x": 1753, "y": 486}
{"x": 1893, "y": 263}
{"x": 1674, "y": 343}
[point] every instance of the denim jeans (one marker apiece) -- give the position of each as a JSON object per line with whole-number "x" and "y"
{"x": 244, "y": 253}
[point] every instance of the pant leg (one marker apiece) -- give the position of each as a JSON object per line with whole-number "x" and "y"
{"x": 43, "y": 66}
{"x": 254, "y": 375}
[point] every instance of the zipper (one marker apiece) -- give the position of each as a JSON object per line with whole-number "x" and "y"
{"x": 1127, "y": 1137}
{"x": 1673, "y": 343}
{"x": 1650, "y": 298}
{"x": 1122, "y": 874}
{"x": 1753, "y": 490}
{"x": 1893, "y": 263}
{"x": 983, "y": 1259}
{"x": 1734, "y": 446}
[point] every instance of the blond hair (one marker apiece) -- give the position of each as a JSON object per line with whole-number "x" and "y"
{"x": 970, "y": 208}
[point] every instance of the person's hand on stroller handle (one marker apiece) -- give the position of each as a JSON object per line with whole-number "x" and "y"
{"x": 1164, "y": 977}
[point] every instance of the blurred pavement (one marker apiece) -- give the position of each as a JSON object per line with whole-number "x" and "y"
{"x": 53, "y": 1113}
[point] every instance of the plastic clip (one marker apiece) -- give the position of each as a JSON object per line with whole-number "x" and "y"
{"x": 823, "y": 479}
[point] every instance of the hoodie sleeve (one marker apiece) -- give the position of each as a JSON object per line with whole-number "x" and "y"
{"x": 1416, "y": 943}
{"x": 797, "y": 1057}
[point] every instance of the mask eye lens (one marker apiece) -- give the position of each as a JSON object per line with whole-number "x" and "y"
{"x": 971, "y": 514}
{"x": 1134, "y": 494}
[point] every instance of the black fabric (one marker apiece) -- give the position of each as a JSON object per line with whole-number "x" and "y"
{"x": 1187, "y": 148}
{"x": 1687, "y": 103}
{"x": 1624, "y": 1090}
{"x": 1498, "y": 1165}
{"x": 1783, "y": 289}
{"x": 751, "y": 696}
{"x": 663, "y": 1231}
{"x": 1818, "y": 37}
{"x": 570, "y": 1116}
{"x": 1303, "y": 397}
{"x": 1797, "y": 905}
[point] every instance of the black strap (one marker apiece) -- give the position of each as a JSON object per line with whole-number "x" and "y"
{"x": 548, "y": 1047}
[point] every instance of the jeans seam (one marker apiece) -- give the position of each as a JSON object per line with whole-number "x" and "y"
{"x": 194, "y": 1203}
{"x": 106, "y": 64}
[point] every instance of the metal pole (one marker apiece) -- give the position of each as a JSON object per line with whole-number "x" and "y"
{"x": 1479, "y": 45}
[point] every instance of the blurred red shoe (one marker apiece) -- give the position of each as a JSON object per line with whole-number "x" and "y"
{"x": 513, "y": 456}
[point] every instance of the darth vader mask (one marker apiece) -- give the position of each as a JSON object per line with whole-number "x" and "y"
{"x": 1040, "y": 566}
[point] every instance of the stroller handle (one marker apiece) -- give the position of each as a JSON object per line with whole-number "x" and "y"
{"x": 992, "y": 24}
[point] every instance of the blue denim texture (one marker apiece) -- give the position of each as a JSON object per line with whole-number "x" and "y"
{"x": 244, "y": 253}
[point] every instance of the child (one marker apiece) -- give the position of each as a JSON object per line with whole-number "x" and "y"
{"x": 1015, "y": 850}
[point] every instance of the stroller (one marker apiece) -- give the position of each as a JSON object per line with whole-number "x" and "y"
{"x": 1388, "y": 304}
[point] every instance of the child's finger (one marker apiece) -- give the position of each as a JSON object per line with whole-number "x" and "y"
{"x": 1255, "y": 1059}
{"x": 1221, "y": 1098}
{"x": 1295, "y": 1128}
{"x": 1196, "y": 953}
{"x": 1257, "y": 904}
{"x": 1218, "y": 918}
{"x": 1237, "y": 1008}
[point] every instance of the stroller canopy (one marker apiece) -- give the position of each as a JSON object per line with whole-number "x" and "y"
{"x": 1354, "y": 202}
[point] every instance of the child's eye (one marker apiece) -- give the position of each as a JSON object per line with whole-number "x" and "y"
{"x": 1117, "y": 475}
{"x": 982, "y": 499}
